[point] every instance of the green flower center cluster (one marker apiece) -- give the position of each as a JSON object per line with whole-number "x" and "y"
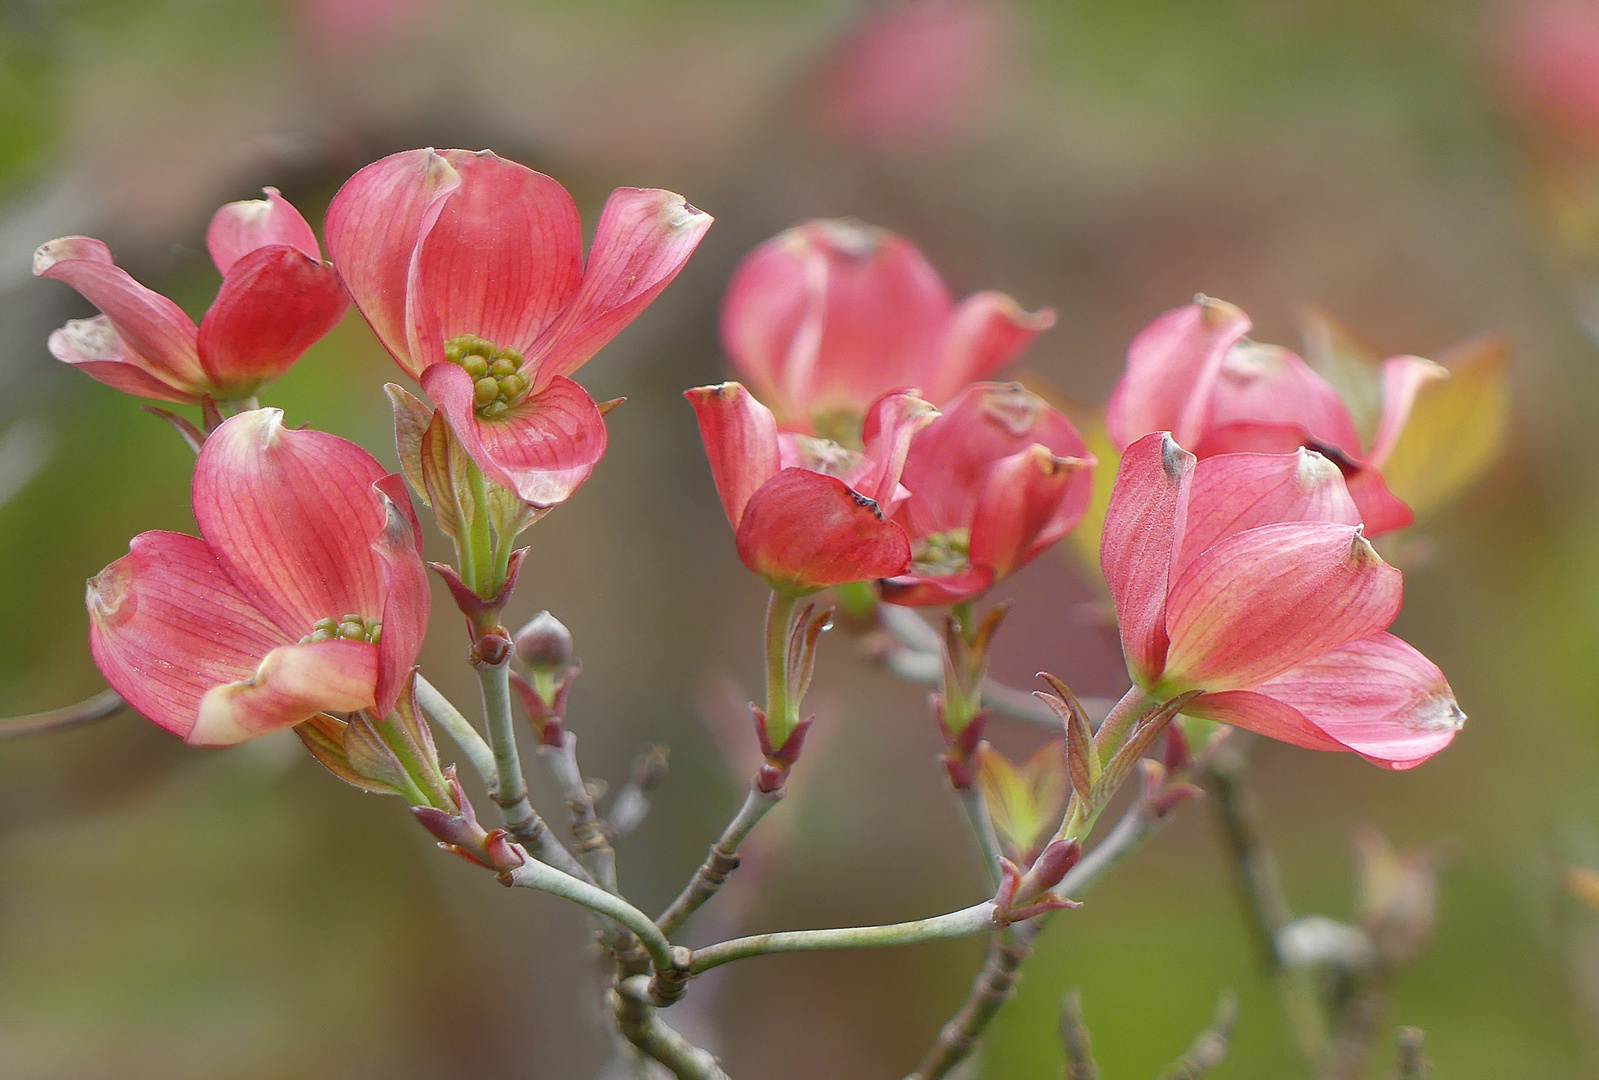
{"x": 497, "y": 379}
{"x": 941, "y": 554}
{"x": 349, "y": 628}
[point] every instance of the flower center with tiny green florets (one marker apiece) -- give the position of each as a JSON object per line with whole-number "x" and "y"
{"x": 941, "y": 554}
{"x": 497, "y": 379}
{"x": 349, "y": 628}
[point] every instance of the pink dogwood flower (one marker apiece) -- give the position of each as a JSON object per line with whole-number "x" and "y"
{"x": 807, "y": 512}
{"x": 304, "y": 592}
{"x": 277, "y": 300}
{"x": 1192, "y": 372}
{"x": 995, "y": 479}
{"x": 1247, "y": 577}
{"x": 829, "y": 316}
{"x": 469, "y": 268}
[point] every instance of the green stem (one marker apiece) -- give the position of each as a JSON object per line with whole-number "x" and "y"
{"x": 782, "y": 713}
{"x": 721, "y": 861}
{"x": 976, "y": 809}
{"x": 479, "y": 537}
{"x": 967, "y": 922}
{"x": 422, "y": 773}
{"x": 545, "y": 878}
{"x": 442, "y": 712}
{"x": 1125, "y": 715}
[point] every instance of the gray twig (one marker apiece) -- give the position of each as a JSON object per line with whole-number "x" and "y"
{"x": 1080, "y": 1063}
{"x": 105, "y": 704}
{"x": 1209, "y": 1046}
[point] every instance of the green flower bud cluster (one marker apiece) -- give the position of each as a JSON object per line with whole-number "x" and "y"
{"x": 498, "y": 382}
{"x": 939, "y": 554}
{"x": 349, "y": 628}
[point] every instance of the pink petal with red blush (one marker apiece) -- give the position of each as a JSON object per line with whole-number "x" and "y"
{"x": 275, "y": 303}
{"x": 1143, "y": 526}
{"x": 937, "y": 590}
{"x": 1402, "y": 379}
{"x": 891, "y": 424}
{"x": 803, "y": 531}
{"x": 542, "y": 449}
{"x": 1267, "y": 599}
{"x": 1172, "y": 368}
{"x": 1267, "y": 384}
{"x": 405, "y": 587}
{"x": 241, "y": 227}
{"x": 1264, "y": 715}
{"x": 505, "y": 254}
{"x": 642, "y": 240}
{"x": 740, "y": 437}
{"x": 292, "y": 684}
{"x": 94, "y": 347}
{"x": 1029, "y": 500}
{"x": 985, "y": 332}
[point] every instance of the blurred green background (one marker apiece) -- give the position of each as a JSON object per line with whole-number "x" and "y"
{"x": 176, "y": 913}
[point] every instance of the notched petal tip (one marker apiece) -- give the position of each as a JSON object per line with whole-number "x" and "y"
{"x": 69, "y": 247}
{"x": 1438, "y": 713}
{"x": 1174, "y": 460}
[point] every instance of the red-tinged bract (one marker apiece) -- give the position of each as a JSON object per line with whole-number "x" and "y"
{"x": 995, "y": 479}
{"x": 829, "y": 316}
{"x": 1246, "y": 576}
{"x": 807, "y": 512}
{"x": 470, "y": 270}
{"x": 1193, "y": 373}
{"x": 304, "y": 592}
{"x": 277, "y": 300}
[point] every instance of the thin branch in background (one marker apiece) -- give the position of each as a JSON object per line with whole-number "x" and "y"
{"x": 645, "y": 1029}
{"x": 720, "y": 861}
{"x": 994, "y": 986}
{"x": 1210, "y": 1045}
{"x": 632, "y": 802}
{"x": 1074, "y": 1040}
{"x": 588, "y": 832}
{"x": 1412, "y": 1057}
{"x": 106, "y": 703}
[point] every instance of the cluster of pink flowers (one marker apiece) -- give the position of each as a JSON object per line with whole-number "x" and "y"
{"x": 870, "y": 447}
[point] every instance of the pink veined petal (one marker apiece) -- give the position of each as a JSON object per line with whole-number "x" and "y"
{"x": 803, "y": 531}
{"x": 1378, "y": 696}
{"x": 984, "y": 333}
{"x": 1143, "y": 530}
{"x": 937, "y": 590}
{"x": 740, "y": 437}
{"x": 291, "y": 518}
{"x": 889, "y": 427}
{"x": 275, "y": 303}
{"x": 1234, "y": 492}
{"x": 771, "y": 318}
{"x": 542, "y": 450}
{"x": 293, "y": 684}
{"x": 1029, "y": 500}
{"x": 1402, "y": 378}
{"x": 240, "y": 227}
{"x": 1263, "y": 715}
{"x": 150, "y": 324}
{"x": 166, "y": 625}
{"x": 375, "y": 225}
{"x": 1270, "y": 598}
{"x": 1172, "y": 367}
{"x": 643, "y": 238}
{"x": 1381, "y": 510}
{"x": 1267, "y": 384}
{"x": 94, "y": 348}
{"x": 505, "y": 255}
{"x": 984, "y": 423}
{"x": 405, "y": 587}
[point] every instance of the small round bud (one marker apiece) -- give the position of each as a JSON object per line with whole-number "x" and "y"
{"x": 319, "y": 634}
{"x": 512, "y": 355}
{"x": 511, "y": 386}
{"x": 352, "y": 631}
{"x": 475, "y": 366}
{"x": 452, "y": 352}
{"x": 545, "y": 644}
{"x": 484, "y": 391}
{"x": 501, "y": 368}
{"x": 494, "y": 410}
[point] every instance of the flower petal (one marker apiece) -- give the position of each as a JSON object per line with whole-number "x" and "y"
{"x": 94, "y": 347}
{"x": 643, "y": 238}
{"x": 166, "y": 625}
{"x": 985, "y": 332}
{"x": 803, "y": 531}
{"x": 1263, "y": 715}
{"x": 542, "y": 450}
{"x": 937, "y": 590}
{"x": 291, "y": 517}
{"x": 293, "y": 684}
{"x": 405, "y": 589}
{"x": 505, "y": 255}
{"x": 1270, "y": 598}
{"x": 1143, "y": 528}
{"x": 240, "y": 227}
{"x": 1378, "y": 696}
{"x": 374, "y": 228}
{"x": 1402, "y": 379}
{"x": 1267, "y": 384}
{"x": 740, "y": 437}
{"x": 1234, "y": 492}
{"x": 887, "y": 432}
{"x": 1029, "y": 500}
{"x": 275, "y": 303}
{"x": 1172, "y": 367}
{"x": 149, "y": 323}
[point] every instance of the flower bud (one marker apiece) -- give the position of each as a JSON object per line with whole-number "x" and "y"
{"x": 545, "y": 644}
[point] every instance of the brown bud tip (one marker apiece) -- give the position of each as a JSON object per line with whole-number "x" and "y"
{"x": 545, "y": 644}
{"x": 492, "y": 648}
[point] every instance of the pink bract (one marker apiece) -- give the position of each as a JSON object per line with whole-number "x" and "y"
{"x": 1193, "y": 373}
{"x": 452, "y": 254}
{"x": 829, "y": 316}
{"x": 277, "y": 300}
{"x": 995, "y": 479}
{"x": 216, "y": 638}
{"x": 807, "y": 512}
{"x": 1247, "y": 576}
